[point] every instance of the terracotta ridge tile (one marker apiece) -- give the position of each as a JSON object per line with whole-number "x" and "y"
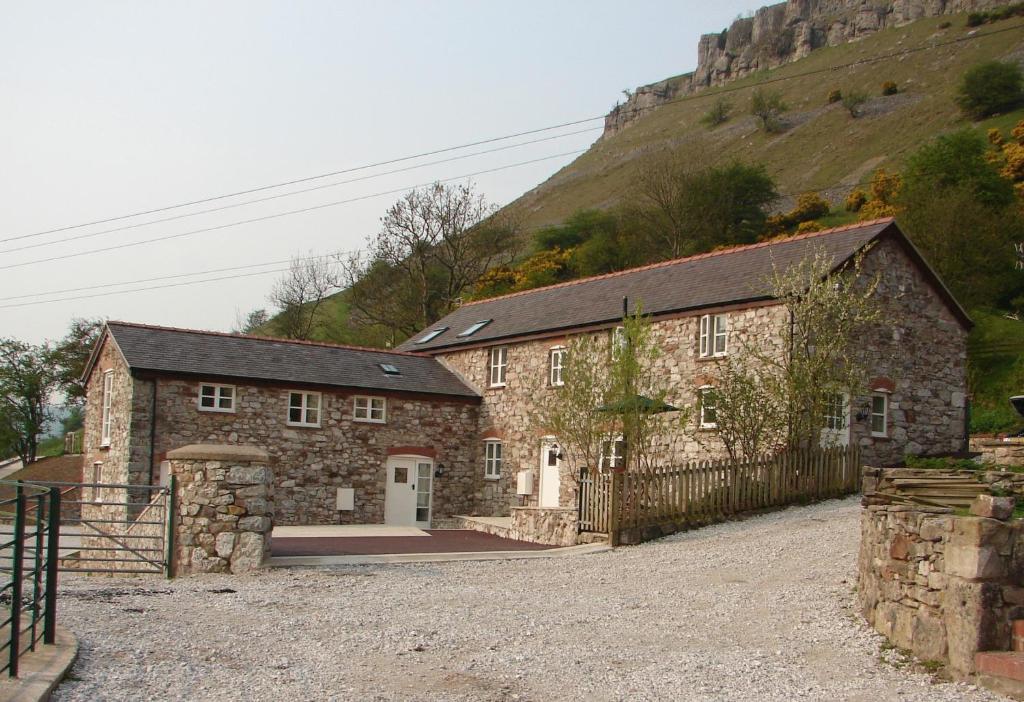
{"x": 694, "y": 257}
{"x": 256, "y": 337}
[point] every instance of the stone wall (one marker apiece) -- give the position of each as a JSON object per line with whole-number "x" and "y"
{"x": 545, "y": 526}
{"x": 1000, "y": 452}
{"x": 942, "y": 586}
{"x": 224, "y": 499}
{"x": 780, "y": 34}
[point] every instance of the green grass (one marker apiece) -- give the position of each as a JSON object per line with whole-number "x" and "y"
{"x": 53, "y": 446}
{"x": 996, "y": 371}
{"x": 825, "y": 147}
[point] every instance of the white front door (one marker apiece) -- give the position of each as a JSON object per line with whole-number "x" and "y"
{"x": 836, "y": 431}
{"x": 408, "y": 492}
{"x": 550, "y": 473}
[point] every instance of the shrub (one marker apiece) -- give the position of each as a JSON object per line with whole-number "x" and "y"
{"x": 856, "y": 200}
{"x": 853, "y": 101}
{"x": 768, "y": 107}
{"x": 976, "y": 19}
{"x": 990, "y": 87}
{"x": 940, "y": 462}
{"x": 809, "y": 207}
{"x": 717, "y": 114}
{"x": 945, "y": 25}
{"x": 889, "y": 88}
{"x": 835, "y": 96}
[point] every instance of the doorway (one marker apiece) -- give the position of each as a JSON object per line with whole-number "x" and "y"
{"x": 408, "y": 492}
{"x": 550, "y": 472}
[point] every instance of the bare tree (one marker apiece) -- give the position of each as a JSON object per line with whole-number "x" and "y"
{"x": 299, "y": 295}
{"x": 434, "y": 243}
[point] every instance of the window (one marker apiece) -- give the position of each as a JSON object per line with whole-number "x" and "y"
{"x": 708, "y": 408}
{"x": 714, "y": 335}
{"x": 499, "y": 362}
{"x": 879, "y": 414}
{"x": 557, "y": 361}
{"x": 108, "y": 391}
{"x": 217, "y": 398}
{"x": 835, "y": 412}
{"x": 492, "y": 460}
{"x": 474, "y": 328}
{"x": 97, "y": 477}
{"x": 431, "y": 335}
{"x": 619, "y": 339}
{"x": 369, "y": 409}
{"x": 389, "y": 369}
{"x": 613, "y": 453}
{"x": 304, "y": 409}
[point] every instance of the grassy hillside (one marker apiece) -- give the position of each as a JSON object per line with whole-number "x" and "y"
{"x": 996, "y": 352}
{"x": 824, "y": 147}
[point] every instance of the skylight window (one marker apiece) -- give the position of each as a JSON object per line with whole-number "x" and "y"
{"x": 389, "y": 369}
{"x": 475, "y": 327}
{"x": 431, "y": 335}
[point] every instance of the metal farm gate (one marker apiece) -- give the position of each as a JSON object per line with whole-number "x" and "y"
{"x": 115, "y": 528}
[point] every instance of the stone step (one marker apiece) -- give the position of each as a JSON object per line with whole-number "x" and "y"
{"x": 1002, "y": 671}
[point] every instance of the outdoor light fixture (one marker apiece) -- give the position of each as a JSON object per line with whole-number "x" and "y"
{"x": 862, "y": 415}
{"x": 439, "y": 471}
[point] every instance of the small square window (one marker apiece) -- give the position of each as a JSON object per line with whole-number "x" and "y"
{"x": 879, "y": 414}
{"x": 714, "y": 335}
{"x": 708, "y": 408}
{"x": 216, "y": 398}
{"x": 369, "y": 409}
{"x": 492, "y": 460}
{"x": 304, "y": 409}
{"x": 613, "y": 453}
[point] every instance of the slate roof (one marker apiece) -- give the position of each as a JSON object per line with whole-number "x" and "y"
{"x": 729, "y": 276}
{"x": 217, "y": 355}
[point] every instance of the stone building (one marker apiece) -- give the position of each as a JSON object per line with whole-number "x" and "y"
{"x": 442, "y": 427}
{"x": 508, "y": 349}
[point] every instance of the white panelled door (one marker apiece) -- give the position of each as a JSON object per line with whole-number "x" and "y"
{"x": 407, "y": 496}
{"x": 550, "y": 472}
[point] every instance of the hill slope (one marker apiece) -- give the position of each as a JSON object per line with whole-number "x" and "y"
{"x": 823, "y": 148}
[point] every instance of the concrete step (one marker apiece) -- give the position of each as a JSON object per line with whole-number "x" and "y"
{"x": 1002, "y": 671}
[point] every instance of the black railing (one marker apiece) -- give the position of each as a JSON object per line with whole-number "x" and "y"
{"x": 28, "y": 569}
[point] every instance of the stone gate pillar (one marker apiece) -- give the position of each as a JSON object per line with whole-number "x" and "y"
{"x": 223, "y": 498}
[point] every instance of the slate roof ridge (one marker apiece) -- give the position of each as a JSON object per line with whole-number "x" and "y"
{"x": 257, "y": 337}
{"x": 696, "y": 257}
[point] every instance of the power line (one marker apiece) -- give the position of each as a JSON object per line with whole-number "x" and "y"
{"x": 290, "y": 194}
{"x": 673, "y": 101}
{"x": 278, "y": 215}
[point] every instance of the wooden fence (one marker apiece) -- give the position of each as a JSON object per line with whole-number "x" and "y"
{"x": 709, "y": 491}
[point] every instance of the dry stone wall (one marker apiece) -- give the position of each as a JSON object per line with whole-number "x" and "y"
{"x": 779, "y": 34}
{"x": 942, "y": 586}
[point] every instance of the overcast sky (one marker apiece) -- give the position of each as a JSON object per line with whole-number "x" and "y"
{"x": 117, "y": 107}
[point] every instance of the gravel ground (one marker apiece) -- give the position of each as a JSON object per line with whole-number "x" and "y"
{"x": 761, "y": 609}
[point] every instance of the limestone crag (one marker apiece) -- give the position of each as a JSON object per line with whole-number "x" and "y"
{"x": 779, "y": 34}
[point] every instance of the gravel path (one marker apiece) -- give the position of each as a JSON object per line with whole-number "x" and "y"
{"x": 754, "y": 610}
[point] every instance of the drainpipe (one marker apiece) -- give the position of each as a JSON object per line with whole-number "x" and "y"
{"x": 152, "y": 431}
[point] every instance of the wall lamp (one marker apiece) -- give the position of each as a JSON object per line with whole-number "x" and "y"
{"x": 439, "y": 470}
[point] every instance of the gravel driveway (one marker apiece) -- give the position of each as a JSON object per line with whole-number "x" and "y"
{"x": 754, "y": 610}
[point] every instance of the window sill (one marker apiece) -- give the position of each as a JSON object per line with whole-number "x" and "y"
{"x": 302, "y": 426}
{"x": 708, "y": 427}
{"x": 217, "y": 411}
{"x": 104, "y": 447}
{"x": 369, "y": 421}
{"x": 881, "y": 437}
{"x": 705, "y": 359}
{"x": 499, "y": 386}
{"x": 492, "y": 478}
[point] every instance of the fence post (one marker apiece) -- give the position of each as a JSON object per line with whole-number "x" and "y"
{"x": 52, "y": 558}
{"x": 613, "y": 509}
{"x": 170, "y": 506}
{"x": 16, "y": 575}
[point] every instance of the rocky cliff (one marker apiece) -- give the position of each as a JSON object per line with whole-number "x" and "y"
{"x": 779, "y": 34}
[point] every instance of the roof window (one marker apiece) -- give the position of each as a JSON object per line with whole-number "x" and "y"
{"x": 389, "y": 369}
{"x": 431, "y": 335}
{"x": 475, "y": 328}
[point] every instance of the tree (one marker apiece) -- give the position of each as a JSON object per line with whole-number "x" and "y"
{"x": 70, "y": 355}
{"x": 434, "y": 244}
{"x": 687, "y": 207}
{"x": 251, "y": 323}
{"x": 990, "y": 88}
{"x": 717, "y": 114}
{"x": 955, "y": 160}
{"x": 611, "y": 388}
{"x": 771, "y": 395}
{"x": 27, "y": 381}
{"x": 300, "y": 294}
{"x": 768, "y": 108}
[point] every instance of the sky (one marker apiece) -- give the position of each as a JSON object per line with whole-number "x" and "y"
{"x": 114, "y": 108}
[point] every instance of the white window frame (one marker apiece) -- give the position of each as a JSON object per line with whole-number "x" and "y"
{"x": 614, "y": 458}
{"x": 830, "y": 419}
{"x": 497, "y": 366}
{"x": 97, "y": 478}
{"x": 494, "y": 455}
{"x": 714, "y": 328}
{"x": 884, "y": 397}
{"x": 702, "y": 392}
{"x": 106, "y": 419}
{"x": 217, "y": 396}
{"x": 370, "y": 408}
{"x": 557, "y": 365}
{"x": 305, "y": 407}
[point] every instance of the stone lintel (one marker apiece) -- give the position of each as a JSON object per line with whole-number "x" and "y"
{"x": 219, "y": 452}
